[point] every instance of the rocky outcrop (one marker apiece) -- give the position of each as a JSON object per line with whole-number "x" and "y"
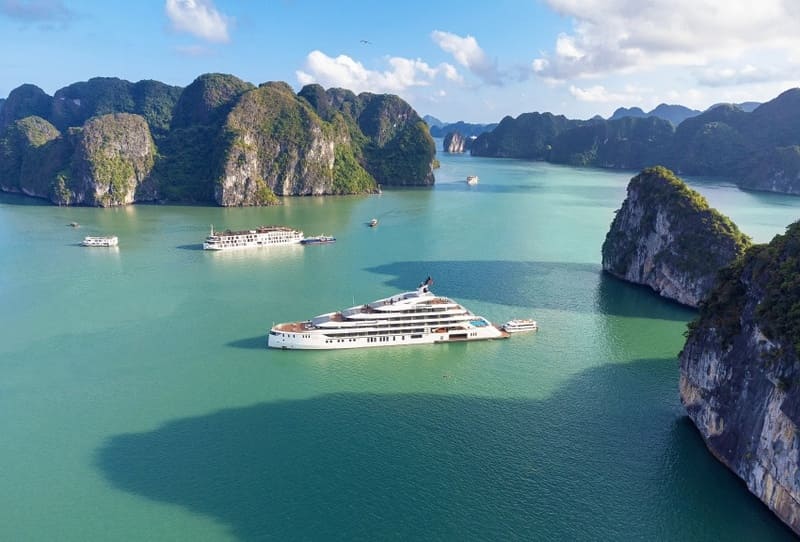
{"x": 277, "y": 145}
{"x": 114, "y": 155}
{"x": 454, "y": 142}
{"x": 25, "y": 101}
{"x": 32, "y": 153}
{"x": 665, "y": 236}
{"x": 390, "y": 140}
{"x": 220, "y": 140}
{"x": 740, "y": 374}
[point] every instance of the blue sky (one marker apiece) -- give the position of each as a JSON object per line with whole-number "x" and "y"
{"x": 454, "y": 60}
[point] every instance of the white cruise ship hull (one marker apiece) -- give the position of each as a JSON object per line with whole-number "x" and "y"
{"x": 417, "y": 317}
{"x": 315, "y": 341}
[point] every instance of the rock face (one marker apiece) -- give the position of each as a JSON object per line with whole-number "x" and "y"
{"x": 113, "y": 157}
{"x": 740, "y": 374}
{"x": 665, "y": 236}
{"x": 454, "y": 142}
{"x": 277, "y": 144}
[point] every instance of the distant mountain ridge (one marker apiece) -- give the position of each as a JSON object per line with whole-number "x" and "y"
{"x": 759, "y": 150}
{"x": 107, "y": 141}
{"x": 672, "y": 113}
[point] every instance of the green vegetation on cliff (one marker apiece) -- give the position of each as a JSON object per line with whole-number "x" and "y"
{"x": 770, "y": 273}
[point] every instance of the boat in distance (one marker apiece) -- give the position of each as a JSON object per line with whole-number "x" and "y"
{"x": 472, "y": 180}
{"x": 263, "y": 236}
{"x": 415, "y": 317}
{"x": 519, "y": 325}
{"x": 105, "y": 241}
{"x": 372, "y": 223}
{"x": 318, "y": 240}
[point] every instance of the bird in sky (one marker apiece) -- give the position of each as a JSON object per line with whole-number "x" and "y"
{"x": 366, "y": 42}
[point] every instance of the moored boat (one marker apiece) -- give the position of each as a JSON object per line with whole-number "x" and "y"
{"x": 96, "y": 241}
{"x": 372, "y": 223}
{"x": 318, "y": 240}
{"x": 518, "y": 325}
{"x": 472, "y": 179}
{"x": 262, "y": 236}
{"x": 414, "y": 317}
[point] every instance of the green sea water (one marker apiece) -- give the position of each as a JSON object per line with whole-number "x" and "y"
{"x": 138, "y": 400}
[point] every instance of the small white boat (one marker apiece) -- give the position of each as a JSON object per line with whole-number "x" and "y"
{"x": 472, "y": 179}
{"x": 372, "y": 223}
{"x": 318, "y": 240}
{"x": 110, "y": 241}
{"x": 516, "y": 326}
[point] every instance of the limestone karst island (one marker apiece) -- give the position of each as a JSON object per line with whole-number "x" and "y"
{"x": 220, "y": 140}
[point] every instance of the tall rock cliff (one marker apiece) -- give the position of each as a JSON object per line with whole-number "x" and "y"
{"x": 665, "y": 236}
{"x": 740, "y": 373}
{"x": 389, "y": 139}
{"x": 114, "y": 156}
{"x": 277, "y": 144}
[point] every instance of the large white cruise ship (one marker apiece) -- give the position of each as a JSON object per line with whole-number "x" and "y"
{"x": 417, "y": 317}
{"x": 263, "y": 236}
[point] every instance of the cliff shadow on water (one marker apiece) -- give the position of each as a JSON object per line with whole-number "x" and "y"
{"x": 606, "y": 457}
{"x": 576, "y": 287}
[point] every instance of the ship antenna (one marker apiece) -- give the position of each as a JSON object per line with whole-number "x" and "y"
{"x": 212, "y": 229}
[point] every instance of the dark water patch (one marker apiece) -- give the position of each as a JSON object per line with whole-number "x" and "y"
{"x": 194, "y": 246}
{"x": 11, "y": 198}
{"x": 599, "y": 460}
{"x": 577, "y": 287}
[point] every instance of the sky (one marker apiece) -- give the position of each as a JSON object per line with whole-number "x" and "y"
{"x": 470, "y": 61}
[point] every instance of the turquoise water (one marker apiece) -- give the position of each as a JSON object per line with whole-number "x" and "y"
{"x": 137, "y": 400}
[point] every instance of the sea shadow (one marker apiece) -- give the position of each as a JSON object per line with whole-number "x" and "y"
{"x": 10, "y": 198}
{"x": 599, "y": 460}
{"x": 577, "y": 287}
{"x": 195, "y": 246}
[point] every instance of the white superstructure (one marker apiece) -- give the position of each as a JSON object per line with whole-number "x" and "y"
{"x": 472, "y": 179}
{"x": 90, "y": 241}
{"x": 515, "y": 326}
{"x": 417, "y": 317}
{"x": 263, "y": 236}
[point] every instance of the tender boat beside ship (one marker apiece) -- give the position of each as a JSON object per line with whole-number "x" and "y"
{"x": 516, "y": 326}
{"x": 108, "y": 241}
{"x": 415, "y": 317}
{"x": 263, "y": 236}
{"x": 318, "y": 240}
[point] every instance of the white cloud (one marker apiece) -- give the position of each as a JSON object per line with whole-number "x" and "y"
{"x": 719, "y": 76}
{"x": 469, "y": 54}
{"x": 343, "y": 71}
{"x": 199, "y": 18}
{"x": 626, "y": 35}
{"x": 600, "y": 94}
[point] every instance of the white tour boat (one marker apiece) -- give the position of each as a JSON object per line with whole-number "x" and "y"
{"x": 263, "y": 236}
{"x": 110, "y": 241}
{"x": 472, "y": 179}
{"x": 515, "y": 326}
{"x": 416, "y": 317}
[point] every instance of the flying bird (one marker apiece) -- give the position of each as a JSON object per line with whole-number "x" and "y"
{"x": 366, "y": 42}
